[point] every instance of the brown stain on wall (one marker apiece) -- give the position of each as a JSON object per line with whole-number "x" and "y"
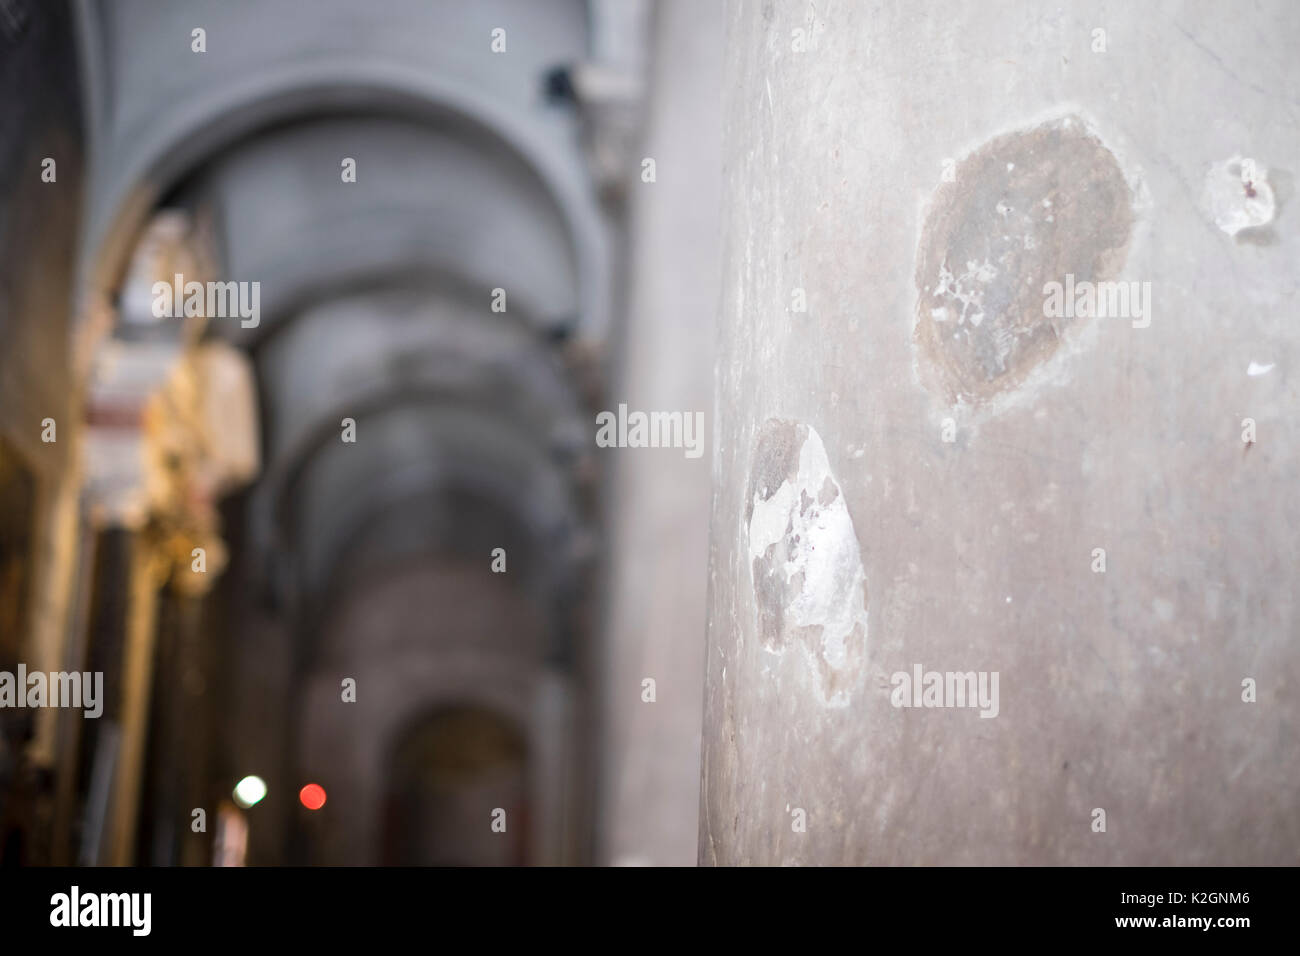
{"x": 1025, "y": 209}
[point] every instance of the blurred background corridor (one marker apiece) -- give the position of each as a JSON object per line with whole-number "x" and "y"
{"x": 348, "y": 528}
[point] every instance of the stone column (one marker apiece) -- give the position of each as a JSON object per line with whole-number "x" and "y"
{"x": 660, "y": 497}
{"x": 922, "y": 464}
{"x": 137, "y": 667}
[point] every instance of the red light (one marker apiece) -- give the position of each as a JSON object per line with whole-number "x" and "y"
{"x": 312, "y": 796}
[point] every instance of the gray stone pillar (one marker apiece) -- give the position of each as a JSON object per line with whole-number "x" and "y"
{"x": 921, "y": 463}
{"x": 660, "y": 497}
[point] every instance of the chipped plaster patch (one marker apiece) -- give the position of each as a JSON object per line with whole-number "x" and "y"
{"x": 810, "y": 588}
{"x": 1238, "y": 195}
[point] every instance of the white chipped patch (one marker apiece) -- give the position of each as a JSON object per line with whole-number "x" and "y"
{"x": 802, "y": 544}
{"x": 1239, "y": 196}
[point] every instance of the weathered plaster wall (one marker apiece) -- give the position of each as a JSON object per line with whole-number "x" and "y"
{"x": 851, "y": 541}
